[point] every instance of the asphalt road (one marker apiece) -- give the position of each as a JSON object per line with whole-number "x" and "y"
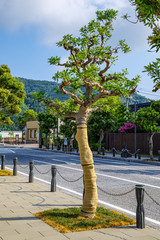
{"x": 113, "y": 177}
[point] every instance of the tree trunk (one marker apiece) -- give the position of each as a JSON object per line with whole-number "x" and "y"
{"x": 101, "y": 138}
{"x": 46, "y": 140}
{"x": 90, "y": 197}
{"x": 151, "y": 145}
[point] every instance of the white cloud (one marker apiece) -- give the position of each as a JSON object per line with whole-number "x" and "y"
{"x": 51, "y": 19}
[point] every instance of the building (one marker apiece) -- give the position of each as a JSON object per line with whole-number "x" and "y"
{"x": 32, "y": 131}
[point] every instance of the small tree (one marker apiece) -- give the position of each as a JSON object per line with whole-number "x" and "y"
{"x": 47, "y": 122}
{"x": 11, "y": 95}
{"x": 148, "y": 119}
{"x": 86, "y": 82}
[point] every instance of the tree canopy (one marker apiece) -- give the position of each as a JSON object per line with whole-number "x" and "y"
{"x": 148, "y": 12}
{"x": 28, "y": 115}
{"x": 11, "y": 95}
{"x": 85, "y": 78}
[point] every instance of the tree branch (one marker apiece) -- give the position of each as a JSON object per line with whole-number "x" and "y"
{"x": 96, "y": 108}
{"x": 70, "y": 48}
{"x": 102, "y": 40}
{"x": 70, "y": 115}
{"x": 106, "y": 68}
{"x": 102, "y": 94}
{"x": 72, "y": 95}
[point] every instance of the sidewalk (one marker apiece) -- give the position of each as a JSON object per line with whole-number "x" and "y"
{"x": 20, "y": 199}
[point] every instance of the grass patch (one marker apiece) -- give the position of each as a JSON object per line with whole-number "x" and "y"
{"x": 151, "y": 160}
{"x": 5, "y": 173}
{"x": 69, "y": 219}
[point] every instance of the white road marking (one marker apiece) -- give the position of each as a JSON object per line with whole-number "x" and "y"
{"x": 12, "y": 151}
{"x": 63, "y": 161}
{"x": 100, "y": 201}
{"x": 105, "y": 175}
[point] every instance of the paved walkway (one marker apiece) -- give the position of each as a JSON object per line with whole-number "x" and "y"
{"x": 20, "y": 199}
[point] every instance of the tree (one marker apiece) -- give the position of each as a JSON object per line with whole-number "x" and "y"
{"x": 28, "y": 115}
{"x": 11, "y": 95}
{"x": 148, "y": 119}
{"x": 148, "y": 12}
{"x": 85, "y": 80}
{"x": 47, "y": 122}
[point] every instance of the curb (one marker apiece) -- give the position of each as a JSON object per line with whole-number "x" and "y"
{"x": 106, "y": 157}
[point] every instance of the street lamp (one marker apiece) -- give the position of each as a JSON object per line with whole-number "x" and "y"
{"x": 135, "y": 130}
{"x": 135, "y": 127}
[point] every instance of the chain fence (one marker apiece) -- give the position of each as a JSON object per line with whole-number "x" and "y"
{"x": 116, "y": 194}
{"x": 9, "y": 162}
{"x": 152, "y": 198}
{"x": 152, "y": 205}
{"x": 67, "y": 179}
{"x": 23, "y": 166}
{"x": 42, "y": 172}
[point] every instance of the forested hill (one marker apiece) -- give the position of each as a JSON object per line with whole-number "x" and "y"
{"x": 49, "y": 87}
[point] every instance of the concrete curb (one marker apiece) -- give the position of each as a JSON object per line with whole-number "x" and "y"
{"x": 143, "y": 161}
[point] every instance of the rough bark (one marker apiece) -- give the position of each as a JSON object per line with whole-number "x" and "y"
{"x": 90, "y": 197}
{"x": 151, "y": 145}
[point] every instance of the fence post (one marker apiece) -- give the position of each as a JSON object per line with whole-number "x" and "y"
{"x": 31, "y": 174}
{"x": 53, "y": 180}
{"x": 15, "y": 166}
{"x": 3, "y": 162}
{"x": 140, "y": 215}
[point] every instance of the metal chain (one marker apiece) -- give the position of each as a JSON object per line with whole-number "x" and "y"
{"x": 8, "y": 162}
{"x": 116, "y": 195}
{"x": 108, "y": 151}
{"x": 69, "y": 180}
{"x": 42, "y": 172}
{"x": 151, "y": 198}
{"x": 119, "y": 152}
{"x": 23, "y": 167}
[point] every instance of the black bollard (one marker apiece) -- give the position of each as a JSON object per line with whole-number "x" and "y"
{"x": 114, "y": 152}
{"x": 135, "y": 154}
{"x": 52, "y": 146}
{"x": 15, "y": 160}
{"x": 3, "y": 162}
{"x": 31, "y": 174}
{"x": 158, "y": 155}
{"x": 77, "y": 149}
{"x": 103, "y": 151}
{"x": 139, "y": 154}
{"x": 53, "y": 180}
{"x": 140, "y": 215}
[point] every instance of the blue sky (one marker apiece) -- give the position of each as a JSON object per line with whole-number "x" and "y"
{"x": 30, "y": 29}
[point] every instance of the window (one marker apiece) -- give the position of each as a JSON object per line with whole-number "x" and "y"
{"x": 35, "y": 133}
{"x": 31, "y": 133}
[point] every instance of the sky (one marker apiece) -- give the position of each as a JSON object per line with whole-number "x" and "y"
{"x": 30, "y": 29}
